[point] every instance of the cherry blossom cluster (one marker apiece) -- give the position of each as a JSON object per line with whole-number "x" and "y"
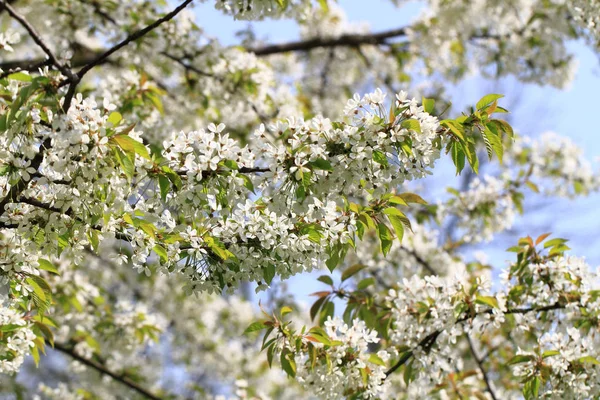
{"x": 259, "y": 9}
{"x": 587, "y": 13}
{"x": 16, "y": 339}
{"x": 557, "y": 162}
{"x": 9, "y": 38}
{"x": 523, "y": 38}
{"x": 568, "y": 359}
{"x": 487, "y": 207}
{"x": 347, "y": 367}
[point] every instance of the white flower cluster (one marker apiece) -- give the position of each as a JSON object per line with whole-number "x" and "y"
{"x": 349, "y": 362}
{"x": 429, "y": 318}
{"x": 8, "y": 38}
{"x": 16, "y": 340}
{"x": 367, "y": 154}
{"x": 321, "y": 162}
{"x": 259, "y": 9}
{"x": 587, "y": 14}
{"x": 485, "y": 208}
{"x": 553, "y": 279}
{"x": 557, "y": 162}
{"x": 568, "y": 360}
{"x": 60, "y": 392}
{"x": 496, "y": 38}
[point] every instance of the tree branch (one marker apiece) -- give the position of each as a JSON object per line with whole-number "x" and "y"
{"x": 430, "y": 339}
{"x": 39, "y": 41}
{"x": 481, "y": 368}
{"x": 420, "y": 260}
{"x": 347, "y": 40}
{"x": 134, "y": 36}
{"x": 119, "y": 377}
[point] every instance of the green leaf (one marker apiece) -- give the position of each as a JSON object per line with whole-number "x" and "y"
{"x": 255, "y": 326}
{"x": 503, "y": 126}
{"x": 455, "y": 127}
{"x": 285, "y": 310}
{"x": 428, "y": 105}
{"x": 521, "y": 358}
{"x": 380, "y": 158}
{"x": 458, "y": 157}
{"x": 351, "y": 271}
{"x": 412, "y": 198}
{"x": 531, "y": 388}
{"x": 412, "y": 124}
{"x": 408, "y": 373}
{"x": 398, "y": 225}
{"x": 247, "y": 182}
{"x": 287, "y": 362}
{"x": 487, "y": 100}
{"x": 493, "y": 142}
{"x": 129, "y": 144}
{"x": 164, "y": 185}
{"x": 321, "y": 164}
{"x": 325, "y": 279}
{"x": 269, "y": 273}
{"x": 365, "y": 283}
{"x": 114, "y": 118}
{"x": 231, "y": 164}
{"x": 554, "y": 242}
{"x": 385, "y": 237}
{"x": 161, "y": 252}
{"x": 398, "y": 200}
{"x": 550, "y": 353}
{"x": 125, "y": 163}
{"x": 589, "y": 360}
{"x": 487, "y": 301}
{"x": 47, "y": 266}
{"x": 36, "y": 288}
{"x": 10, "y": 327}
{"x": 20, "y": 76}
{"x": 375, "y": 359}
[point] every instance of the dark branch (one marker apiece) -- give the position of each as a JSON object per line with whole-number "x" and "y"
{"x": 39, "y": 41}
{"x": 430, "y": 339}
{"x": 482, "y": 369}
{"x": 134, "y": 36}
{"x": 420, "y": 260}
{"x": 243, "y": 170}
{"x": 119, "y": 377}
{"x": 348, "y": 40}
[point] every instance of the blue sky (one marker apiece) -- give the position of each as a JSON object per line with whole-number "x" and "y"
{"x": 570, "y": 112}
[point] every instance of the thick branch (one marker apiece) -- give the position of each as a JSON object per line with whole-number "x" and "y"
{"x": 348, "y": 40}
{"x": 119, "y": 377}
{"x": 243, "y": 170}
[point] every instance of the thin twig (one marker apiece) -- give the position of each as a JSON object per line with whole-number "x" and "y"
{"x": 481, "y": 368}
{"x": 134, "y": 36}
{"x": 430, "y": 339}
{"x": 119, "y": 377}
{"x": 39, "y": 41}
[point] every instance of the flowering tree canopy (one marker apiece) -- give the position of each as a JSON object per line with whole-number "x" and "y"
{"x": 151, "y": 178}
